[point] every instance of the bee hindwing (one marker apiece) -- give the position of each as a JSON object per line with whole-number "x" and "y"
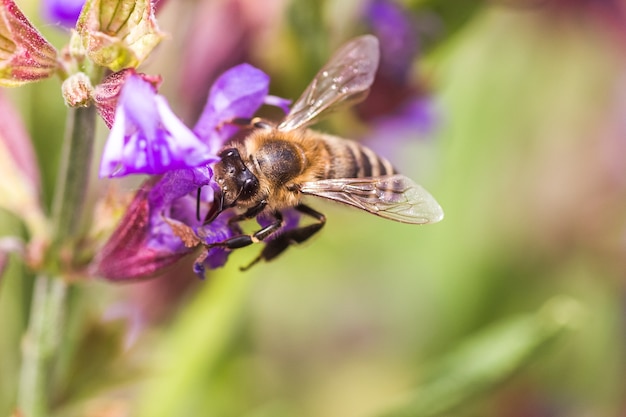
{"x": 394, "y": 197}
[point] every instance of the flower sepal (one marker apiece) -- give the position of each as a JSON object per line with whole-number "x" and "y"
{"x": 127, "y": 255}
{"x": 118, "y": 34}
{"x": 25, "y": 56}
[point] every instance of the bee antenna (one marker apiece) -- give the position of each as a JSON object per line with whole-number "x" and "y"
{"x": 216, "y": 208}
{"x": 198, "y": 204}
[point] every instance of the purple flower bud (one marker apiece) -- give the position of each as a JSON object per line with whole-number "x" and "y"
{"x": 62, "y": 12}
{"x": 147, "y": 137}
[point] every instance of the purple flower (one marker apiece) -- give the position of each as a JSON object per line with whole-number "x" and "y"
{"x": 62, "y": 12}
{"x": 147, "y": 138}
{"x": 162, "y": 223}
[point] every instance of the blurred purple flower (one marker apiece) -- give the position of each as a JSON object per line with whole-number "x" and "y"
{"x": 397, "y": 104}
{"x": 147, "y": 138}
{"x": 415, "y": 115}
{"x": 396, "y": 30}
{"x": 62, "y": 12}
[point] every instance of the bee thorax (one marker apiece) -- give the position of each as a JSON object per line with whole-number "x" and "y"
{"x": 279, "y": 161}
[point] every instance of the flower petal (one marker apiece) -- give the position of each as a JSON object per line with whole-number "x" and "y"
{"x": 239, "y": 92}
{"x": 147, "y": 137}
{"x": 107, "y": 93}
{"x": 174, "y": 197}
{"x": 282, "y": 103}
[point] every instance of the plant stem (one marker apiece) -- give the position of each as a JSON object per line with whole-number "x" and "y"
{"x": 40, "y": 343}
{"x": 71, "y": 190}
{"x": 45, "y": 327}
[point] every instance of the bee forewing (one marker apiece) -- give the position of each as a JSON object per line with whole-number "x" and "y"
{"x": 345, "y": 79}
{"x": 393, "y": 197}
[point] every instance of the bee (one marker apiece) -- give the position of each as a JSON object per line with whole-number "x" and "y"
{"x": 275, "y": 165}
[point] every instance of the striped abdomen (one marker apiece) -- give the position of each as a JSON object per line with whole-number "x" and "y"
{"x": 348, "y": 159}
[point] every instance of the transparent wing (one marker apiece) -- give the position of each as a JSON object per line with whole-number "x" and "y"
{"x": 345, "y": 79}
{"x": 393, "y": 197}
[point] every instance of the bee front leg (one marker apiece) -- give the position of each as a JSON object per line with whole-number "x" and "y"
{"x": 295, "y": 236}
{"x": 241, "y": 241}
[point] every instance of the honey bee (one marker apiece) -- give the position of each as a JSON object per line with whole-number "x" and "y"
{"x": 275, "y": 165}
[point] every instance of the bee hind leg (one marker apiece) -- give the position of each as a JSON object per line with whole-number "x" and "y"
{"x": 280, "y": 243}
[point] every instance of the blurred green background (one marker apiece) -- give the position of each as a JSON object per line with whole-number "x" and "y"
{"x": 514, "y": 305}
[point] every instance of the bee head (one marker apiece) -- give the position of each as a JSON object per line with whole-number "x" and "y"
{"x": 235, "y": 180}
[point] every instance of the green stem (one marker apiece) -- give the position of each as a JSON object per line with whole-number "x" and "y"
{"x": 71, "y": 190}
{"x": 40, "y": 344}
{"x": 45, "y": 327}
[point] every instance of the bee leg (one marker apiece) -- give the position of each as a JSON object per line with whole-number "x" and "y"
{"x": 241, "y": 241}
{"x": 251, "y": 212}
{"x": 279, "y": 244}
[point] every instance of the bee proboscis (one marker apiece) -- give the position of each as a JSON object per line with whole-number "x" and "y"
{"x": 274, "y": 166}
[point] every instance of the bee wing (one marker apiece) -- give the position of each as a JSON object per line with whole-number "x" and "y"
{"x": 393, "y": 197}
{"x": 345, "y": 79}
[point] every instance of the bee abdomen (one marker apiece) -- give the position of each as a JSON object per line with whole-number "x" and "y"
{"x": 351, "y": 160}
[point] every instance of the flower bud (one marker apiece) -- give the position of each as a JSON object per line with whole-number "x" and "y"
{"x": 77, "y": 90}
{"x": 25, "y": 56}
{"x": 118, "y": 33}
